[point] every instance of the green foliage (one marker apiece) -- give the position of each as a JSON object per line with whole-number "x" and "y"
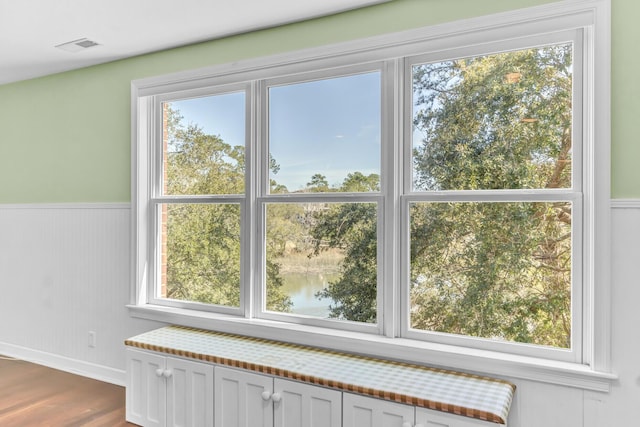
{"x": 494, "y": 122}
{"x": 203, "y": 253}
{"x": 203, "y": 240}
{"x": 352, "y": 228}
{"x": 499, "y": 270}
{"x": 284, "y": 228}
{"x": 318, "y": 183}
{"x": 197, "y": 163}
{"x": 493, "y": 270}
{"x": 357, "y": 182}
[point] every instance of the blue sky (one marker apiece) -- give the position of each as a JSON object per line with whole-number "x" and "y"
{"x": 221, "y": 115}
{"x": 331, "y": 126}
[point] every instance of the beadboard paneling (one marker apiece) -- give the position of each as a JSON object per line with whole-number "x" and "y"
{"x": 64, "y": 271}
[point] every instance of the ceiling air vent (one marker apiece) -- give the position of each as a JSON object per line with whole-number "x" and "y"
{"x": 77, "y": 45}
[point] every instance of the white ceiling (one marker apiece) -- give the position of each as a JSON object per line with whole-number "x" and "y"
{"x": 29, "y": 29}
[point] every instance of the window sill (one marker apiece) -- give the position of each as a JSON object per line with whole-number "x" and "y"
{"x": 405, "y": 350}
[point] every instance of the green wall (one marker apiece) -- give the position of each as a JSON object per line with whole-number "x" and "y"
{"x": 625, "y": 99}
{"x": 66, "y": 137}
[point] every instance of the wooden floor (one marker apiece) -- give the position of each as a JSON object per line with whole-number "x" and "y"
{"x": 33, "y": 395}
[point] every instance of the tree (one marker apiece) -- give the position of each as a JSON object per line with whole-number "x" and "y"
{"x": 358, "y": 182}
{"x": 493, "y": 270}
{"x": 203, "y": 240}
{"x": 351, "y": 227}
{"x": 318, "y": 183}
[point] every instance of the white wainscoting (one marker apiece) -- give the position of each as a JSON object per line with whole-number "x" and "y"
{"x": 65, "y": 271}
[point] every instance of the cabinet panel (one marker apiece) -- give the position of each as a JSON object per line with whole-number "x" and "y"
{"x": 145, "y": 391}
{"x": 362, "y": 411}
{"x": 189, "y": 394}
{"x": 304, "y": 405}
{"x": 239, "y": 401}
{"x": 429, "y": 418}
{"x": 166, "y": 391}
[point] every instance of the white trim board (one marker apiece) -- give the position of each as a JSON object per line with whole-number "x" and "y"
{"x": 615, "y": 204}
{"x": 70, "y": 205}
{"x": 67, "y": 364}
{"x": 537, "y": 20}
{"x": 625, "y": 203}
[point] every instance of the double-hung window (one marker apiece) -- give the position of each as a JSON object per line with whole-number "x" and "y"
{"x": 319, "y": 198}
{"x": 493, "y": 194}
{"x": 200, "y": 199}
{"x": 437, "y": 189}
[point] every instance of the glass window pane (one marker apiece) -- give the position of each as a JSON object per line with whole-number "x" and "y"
{"x": 493, "y": 270}
{"x": 201, "y": 253}
{"x": 322, "y": 260}
{"x": 499, "y": 121}
{"x": 324, "y": 135}
{"x": 204, "y": 140}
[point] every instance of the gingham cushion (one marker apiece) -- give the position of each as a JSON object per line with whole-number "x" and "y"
{"x": 458, "y": 393}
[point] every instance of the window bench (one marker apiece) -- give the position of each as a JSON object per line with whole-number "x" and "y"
{"x": 456, "y": 393}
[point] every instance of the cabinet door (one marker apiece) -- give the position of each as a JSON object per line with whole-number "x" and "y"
{"x": 239, "y": 399}
{"x": 362, "y": 411}
{"x": 429, "y": 418}
{"x": 189, "y": 393}
{"x": 146, "y": 390}
{"x": 303, "y": 405}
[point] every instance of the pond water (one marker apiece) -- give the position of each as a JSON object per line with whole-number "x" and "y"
{"x": 302, "y": 287}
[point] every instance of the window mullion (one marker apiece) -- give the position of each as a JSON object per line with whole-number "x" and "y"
{"x": 392, "y": 134}
{"x": 252, "y": 285}
{"x": 260, "y": 186}
{"x": 404, "y": 90}
{"x": 152, "y": 132}
{"x": 495, "y": 196}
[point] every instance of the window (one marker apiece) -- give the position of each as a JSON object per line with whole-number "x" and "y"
{"x": 430, "y": 189}
{"x": 199, "y": 200}
{"x": 495, "y": 200}
{"x": 323, "y": 196}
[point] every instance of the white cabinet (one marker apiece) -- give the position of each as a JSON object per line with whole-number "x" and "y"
{"x": 171, "y": 391}
{"x": 167, "y": 391}
{"x": 189, "y": 394}
{"x": 245, "y": 399}
{"x": 362, "y": 411}
{"x": 429, "y": 418}
{"x": 304, "y": 405}
{"x": 242, "y": 399}
{"x": 146, "y": 391}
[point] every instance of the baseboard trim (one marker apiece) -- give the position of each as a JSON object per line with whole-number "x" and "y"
{"x": 63, "y": 363}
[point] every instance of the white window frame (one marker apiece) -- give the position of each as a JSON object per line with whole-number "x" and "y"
{"x": 573, "y": 194}
{"x": 587, "y": 367}
{"x": 156, "y": 198}
{"x": 264, "y": 198}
